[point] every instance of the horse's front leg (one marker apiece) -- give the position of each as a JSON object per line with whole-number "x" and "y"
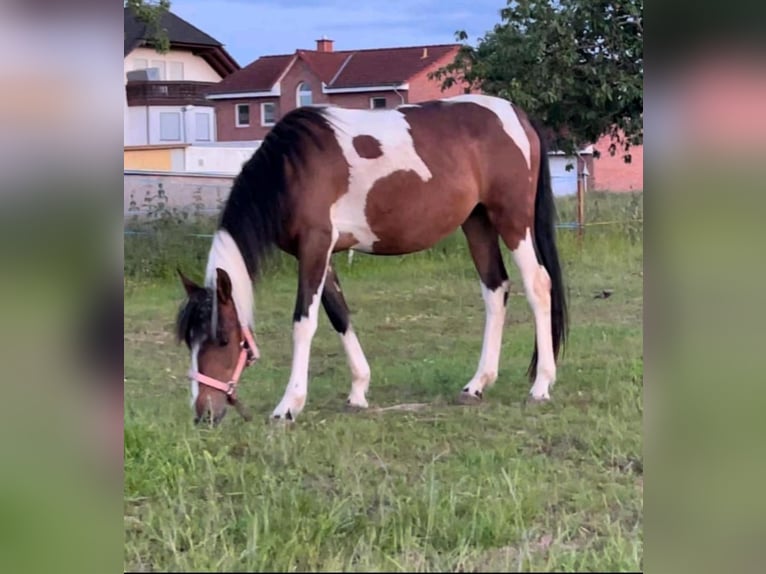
{"x": 314, "y": 251}
{"x": 335, "y": 305}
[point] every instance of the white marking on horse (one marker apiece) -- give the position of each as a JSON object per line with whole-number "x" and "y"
{"x": 360, "y": 369}
{"x": 304, "y": 330}
{"x": 494, "y": 306}
{"x": 225, "y": 254}
{"x": 537, "y": 286}
{"x": 508, "y": 117}
{"x": 391, "y": 129}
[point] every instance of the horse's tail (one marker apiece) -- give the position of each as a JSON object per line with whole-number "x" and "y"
{"x": 547, "y": 254}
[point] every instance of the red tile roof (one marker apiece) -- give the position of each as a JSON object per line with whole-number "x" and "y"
{"x": 260, "y": 75}
{"x": 340, "y": 69}
{"x": 386, "y": 66}
{"x": 324, "y": 64}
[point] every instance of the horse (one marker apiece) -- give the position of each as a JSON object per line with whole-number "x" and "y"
{"x": 328, "y": 179}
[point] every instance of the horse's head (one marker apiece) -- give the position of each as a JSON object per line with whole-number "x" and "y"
{"x": 220, "y": 346}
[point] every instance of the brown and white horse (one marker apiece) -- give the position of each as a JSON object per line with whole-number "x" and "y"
{"x": 384, "y": 182}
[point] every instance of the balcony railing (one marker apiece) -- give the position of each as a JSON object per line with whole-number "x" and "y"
{"x": 167, "y": 93}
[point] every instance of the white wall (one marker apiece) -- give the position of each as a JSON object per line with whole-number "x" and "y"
{"x": 189, "y": 125}
{"x": 135, "y": 127}
{"x": 212, "y": 159}
{"x": 195, "y": 69}
{"x": 563, "y": 182}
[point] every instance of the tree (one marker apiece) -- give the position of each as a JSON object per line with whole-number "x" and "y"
{"x": 574, "y": 65}
{"x": 150, "y": 12}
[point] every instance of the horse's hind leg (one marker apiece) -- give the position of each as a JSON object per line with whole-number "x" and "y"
{"x": 485, "y": 250}
{"x": 537, "y": 287}
{"x": 337, "y": 311}
{"x": 314, "y": 253}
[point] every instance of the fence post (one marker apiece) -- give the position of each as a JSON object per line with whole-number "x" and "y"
{"x": 581, "y": 184}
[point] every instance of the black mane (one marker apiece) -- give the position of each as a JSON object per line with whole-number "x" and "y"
{"x": 258, "y": 205}
{"x": 195, "y": 317}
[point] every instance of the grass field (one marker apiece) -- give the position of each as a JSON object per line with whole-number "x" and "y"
{"x": 442, "y": 488}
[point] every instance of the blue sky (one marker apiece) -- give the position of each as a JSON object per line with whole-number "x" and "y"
{"x": 253, "y": 28}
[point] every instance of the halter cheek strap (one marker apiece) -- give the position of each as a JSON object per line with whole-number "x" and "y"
{"x": 248, "y": 354}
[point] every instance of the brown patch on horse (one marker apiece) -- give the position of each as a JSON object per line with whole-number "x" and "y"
{"x": 472, "y": 160}
{"x": 367, "y": 147}
{"x": 525, "y": 195}
{"x": 345, "y": 241}
{"x": 314, "y": 186}
{"x": 485, "y": 249}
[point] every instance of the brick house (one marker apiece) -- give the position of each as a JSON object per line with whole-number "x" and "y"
{"x": 611, "y": 173}
{"x": 250, "y": 101}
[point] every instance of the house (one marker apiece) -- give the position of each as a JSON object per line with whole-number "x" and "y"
{"x": 611, "y": 173}
{"x": 250, "y": 101}
{"x": 165, "y": 102}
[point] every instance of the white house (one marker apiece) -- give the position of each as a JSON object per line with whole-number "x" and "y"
{"x": 165, "y": 100}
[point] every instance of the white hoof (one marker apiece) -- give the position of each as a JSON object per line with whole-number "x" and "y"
{"x": 289, "y": 408}
{"x": 539, "y": 396}
{"x": 356, "y": 401}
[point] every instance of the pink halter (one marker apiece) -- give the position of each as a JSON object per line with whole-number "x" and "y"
{"x": 247, "y": 356}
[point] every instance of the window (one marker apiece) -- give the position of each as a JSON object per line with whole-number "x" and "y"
{"x": 170, "y": 126}
{"x": 303, "y": 94}
{"x": 377, "y": 103}
{"x": 160, "y": 65}
{"x": 202, "y": 127}
{"x": 175, "y": 71}
{"x": 242, "y": 115}
{"x": 140, "y": 64}
{"x": 268, "y": 114}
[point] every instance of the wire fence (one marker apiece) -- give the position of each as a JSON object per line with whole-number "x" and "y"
{"x": 565, "y": 225}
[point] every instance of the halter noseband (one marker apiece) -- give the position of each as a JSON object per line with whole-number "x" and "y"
{"x": 247, "y": 356}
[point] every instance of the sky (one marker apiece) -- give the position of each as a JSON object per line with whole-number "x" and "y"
{"x": 253, "y": 28}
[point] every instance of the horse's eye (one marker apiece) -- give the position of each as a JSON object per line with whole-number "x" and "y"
{"x": 224, "y": 341}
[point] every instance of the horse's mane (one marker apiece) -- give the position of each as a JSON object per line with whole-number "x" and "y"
{"x": 195, "y": 318}
{"x": 258, "y": 205}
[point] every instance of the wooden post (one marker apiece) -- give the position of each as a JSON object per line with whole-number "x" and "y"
{"x": 580, "y": 206}
{"x": 581, "y": 185}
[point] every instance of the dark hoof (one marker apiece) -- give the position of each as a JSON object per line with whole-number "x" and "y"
{"x": 531, "y": 401}
{"x": 466, "y": 398}
{"x": 279, "y": 419}
{"x": 349, "y": 408}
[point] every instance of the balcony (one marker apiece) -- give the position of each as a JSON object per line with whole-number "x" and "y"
{"x": 160, "y": 93}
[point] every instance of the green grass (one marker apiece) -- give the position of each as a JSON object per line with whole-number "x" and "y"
{"x": 443, "y": 488}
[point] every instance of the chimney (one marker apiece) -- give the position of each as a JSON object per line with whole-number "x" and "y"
{"x": 324, "y": 44}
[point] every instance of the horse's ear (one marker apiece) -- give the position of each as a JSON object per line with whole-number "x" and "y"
{"x": 189, "y": 285}
{"x": 223, "y": 285}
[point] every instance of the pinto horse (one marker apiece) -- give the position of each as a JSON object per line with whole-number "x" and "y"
{"x": 384, "y": 182}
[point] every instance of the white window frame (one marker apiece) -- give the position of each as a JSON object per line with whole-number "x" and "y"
{"x": 197, "y": 117}
{"x": 263, "y": 114}
{"x": 236, "y": 116}
{"x": 179, "y": 66}
{"x": 162, "y": 66}
{"x": 372, "y": 100}
{"x": 298, "y": 93}
{"x": 177, "y": 116}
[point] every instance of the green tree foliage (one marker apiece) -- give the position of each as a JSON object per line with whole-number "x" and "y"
{"x": 150, "y": 12}
{"x": 575, "y": 65}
